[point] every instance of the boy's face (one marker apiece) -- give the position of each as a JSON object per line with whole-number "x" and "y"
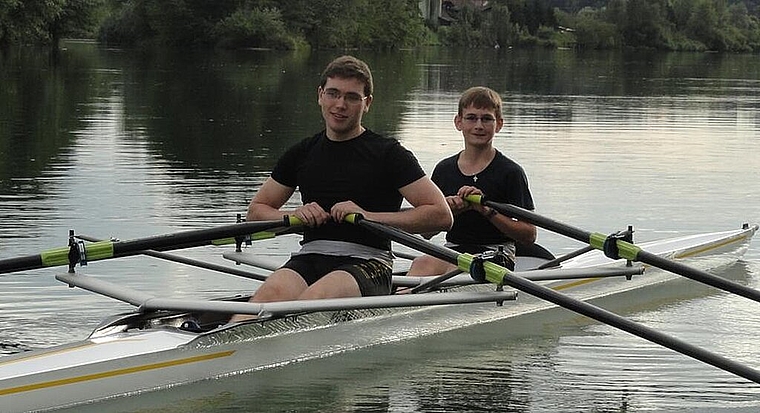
{"x": 478, "y": 126}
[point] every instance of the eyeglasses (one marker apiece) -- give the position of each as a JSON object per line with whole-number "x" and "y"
{"x": 350, "y": 97}
{"x": 487, "y": 120}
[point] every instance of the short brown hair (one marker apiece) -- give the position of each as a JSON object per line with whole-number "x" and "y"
{"x": 349, "y": 67}
{"x": 481, "y": 97}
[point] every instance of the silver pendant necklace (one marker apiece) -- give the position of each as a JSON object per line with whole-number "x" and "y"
{"x": 474, "y": 178}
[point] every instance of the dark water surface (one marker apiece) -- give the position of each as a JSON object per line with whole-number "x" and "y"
{"x": 111, "y": 142}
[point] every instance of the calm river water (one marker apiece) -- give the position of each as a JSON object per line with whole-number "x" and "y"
{"x": 111, "y": 142}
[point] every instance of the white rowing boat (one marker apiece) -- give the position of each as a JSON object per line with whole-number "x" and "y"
{"x": 169, "y": 342}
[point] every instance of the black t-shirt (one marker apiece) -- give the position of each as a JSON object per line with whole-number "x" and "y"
{"x": 368, "y": 170}
{"x": 503, "y": 180}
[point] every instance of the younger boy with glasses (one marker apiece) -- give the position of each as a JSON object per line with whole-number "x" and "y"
{"x": 480, "y": 169}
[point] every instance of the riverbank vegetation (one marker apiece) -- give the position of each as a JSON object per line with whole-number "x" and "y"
{"x": 697, "y": 25}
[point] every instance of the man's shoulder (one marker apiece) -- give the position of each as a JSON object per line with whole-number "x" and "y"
{"x": 308, "y": 142}
{"x": 378, "y": 138}
{"x": 382, "y": 144}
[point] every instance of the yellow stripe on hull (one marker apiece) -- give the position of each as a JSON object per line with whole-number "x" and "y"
{"x": 114, "y": 373}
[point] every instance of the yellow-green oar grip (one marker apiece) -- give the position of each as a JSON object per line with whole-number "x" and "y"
{"x": 596, "y": 240}
{"x": 353, "y": 218}
{"x": 293, "y": 220}
{"x": 625, "y": 249}
{"x": 475, "y": 199}
{"x": 54, "y": 257}
{"x": 99, "y": 250}
{"x": 464, "y": 261}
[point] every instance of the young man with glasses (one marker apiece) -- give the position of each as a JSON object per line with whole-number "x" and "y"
{"x": 341, "y": 170}
{"x": 480, "y": 169}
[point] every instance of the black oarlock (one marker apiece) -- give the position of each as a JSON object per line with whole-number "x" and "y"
{"x": 74, "y": 252}
{"x": 477, "y": 272}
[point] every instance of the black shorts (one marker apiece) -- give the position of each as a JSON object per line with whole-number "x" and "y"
{"x": 373, "y": 277}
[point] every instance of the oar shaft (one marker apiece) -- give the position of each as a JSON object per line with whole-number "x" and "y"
{"x": 502, "y": 275}
{"x": 426, "y": 286}
{"x": 110, "y": 249}
{"x": 699, "y": 275}
{"x": 626, "y": 249}
{"x": 555, "y": 262}
{"x": 194, "y": 237}
{"x": 632, "y": 327}
{"x": 29, "y": 262}
{"x": 54, "y": 257}
{"x": 190, "y": 261}
{"x": 534, "y": 218}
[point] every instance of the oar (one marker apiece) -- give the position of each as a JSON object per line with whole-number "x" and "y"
{"x": 404, "y": 255}
{"x": 500, "y": 275}
{"x": 78, "y": 253}
{"x": 427, "y": 286}
{"x": 617, "y": 248}
{"x": 555, "y": 262}
{"x": 193, "y": 262}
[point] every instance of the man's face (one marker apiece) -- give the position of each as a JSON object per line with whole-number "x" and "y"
{"x": 343, "y": 103}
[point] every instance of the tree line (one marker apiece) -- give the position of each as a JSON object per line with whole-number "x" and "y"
{"x": 699, "y": 25}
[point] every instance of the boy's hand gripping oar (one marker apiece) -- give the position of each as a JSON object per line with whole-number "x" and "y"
{"x": 500, "y": 275}
{"x": 617, "y": 248}
{"x": 78, "y": 252}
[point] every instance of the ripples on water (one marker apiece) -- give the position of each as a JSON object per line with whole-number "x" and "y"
{"x": 606, "y": 360}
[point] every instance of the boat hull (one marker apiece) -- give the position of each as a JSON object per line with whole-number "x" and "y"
{"x": 119, "y": 361}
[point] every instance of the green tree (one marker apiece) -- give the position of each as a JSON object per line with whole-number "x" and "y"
{"x": 78, "y": 18}
{"x": 645, "y": 24}
{"x": 592, "y": 32}
{"x": 27, "y": 21}
{"x": 466, "y": 29}
{"x": 46, "y": 21}
{"x": 499, "y": 25}
{"x": 253, "y": 28}
{"x": 616, "y": 13}
{"x": 704, "y": 25}
{"x": 267, "y": 23}
{"x": 393, "y": 23}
